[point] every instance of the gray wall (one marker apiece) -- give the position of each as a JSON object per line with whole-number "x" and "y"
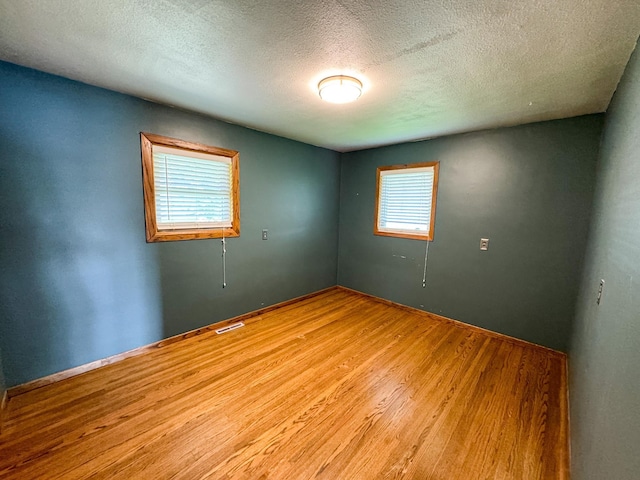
{"x": 529, "y": 189}
{"x": 605, "y": 349}
{"x": 77, "y": 280}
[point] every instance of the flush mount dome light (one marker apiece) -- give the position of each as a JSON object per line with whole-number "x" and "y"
{"x": 340, "y": 89}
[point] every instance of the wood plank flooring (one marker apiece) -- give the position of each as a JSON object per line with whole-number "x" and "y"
{"x": 339, "y": 386}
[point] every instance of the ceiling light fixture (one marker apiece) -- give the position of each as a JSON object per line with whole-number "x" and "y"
{"x": 340, "y": 89}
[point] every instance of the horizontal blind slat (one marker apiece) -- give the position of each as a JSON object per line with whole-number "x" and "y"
{"x": 406, "y": 200}
{"x": 192, "y": 192}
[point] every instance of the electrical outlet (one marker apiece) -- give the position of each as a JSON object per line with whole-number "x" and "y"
{"x": 600, "y": 290}
{"x": 265, "y": 234}
{"x": 484, "y": 244}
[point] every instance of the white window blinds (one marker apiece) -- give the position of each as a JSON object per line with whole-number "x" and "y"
{"x": 405, "y": 200}
{"x": 192, "y": 190}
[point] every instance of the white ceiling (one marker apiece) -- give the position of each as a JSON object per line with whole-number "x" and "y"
{"x": 430, "y": 67}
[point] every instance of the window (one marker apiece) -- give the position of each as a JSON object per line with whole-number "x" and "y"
{"x": 406, "y": 200}
{"x": 190, "y": 190}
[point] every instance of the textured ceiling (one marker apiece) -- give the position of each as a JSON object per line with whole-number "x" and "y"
{"x": 430, "y": 67}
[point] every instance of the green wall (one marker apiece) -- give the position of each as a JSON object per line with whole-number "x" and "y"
{"x": 605, "y": 349}
{"x": 528, "y": 189}
{"x": 3, "y": 383}
{"x": 77, "y": 280}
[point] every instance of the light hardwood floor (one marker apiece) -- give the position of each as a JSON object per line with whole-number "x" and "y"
{"x": 339, "y": 386}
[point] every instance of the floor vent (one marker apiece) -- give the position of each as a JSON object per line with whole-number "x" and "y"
{"x": 228, "y": 328}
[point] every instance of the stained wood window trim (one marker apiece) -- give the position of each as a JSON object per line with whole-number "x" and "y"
{"x": 405, "y": 233}
{"x": 154, "y": 232}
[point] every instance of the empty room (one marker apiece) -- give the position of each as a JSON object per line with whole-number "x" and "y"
{"x": 339, "y": 239}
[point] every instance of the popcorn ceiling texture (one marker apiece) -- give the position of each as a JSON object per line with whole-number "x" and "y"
{"x": 430, "y": 67}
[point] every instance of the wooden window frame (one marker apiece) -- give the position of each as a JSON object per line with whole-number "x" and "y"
{"x": 147, "y": 142}
{"x": 434, "y": 195}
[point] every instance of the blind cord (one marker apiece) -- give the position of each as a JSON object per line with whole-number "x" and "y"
{"x": 424, "y": 274}
{"x": 224, "y": 260}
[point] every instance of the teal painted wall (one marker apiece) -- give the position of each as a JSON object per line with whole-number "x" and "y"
{"x": 77, "y": 280}
{"x": 3, "y": 383}
{"x": 605, "y": 348}
{"x": 528, "y": 189}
